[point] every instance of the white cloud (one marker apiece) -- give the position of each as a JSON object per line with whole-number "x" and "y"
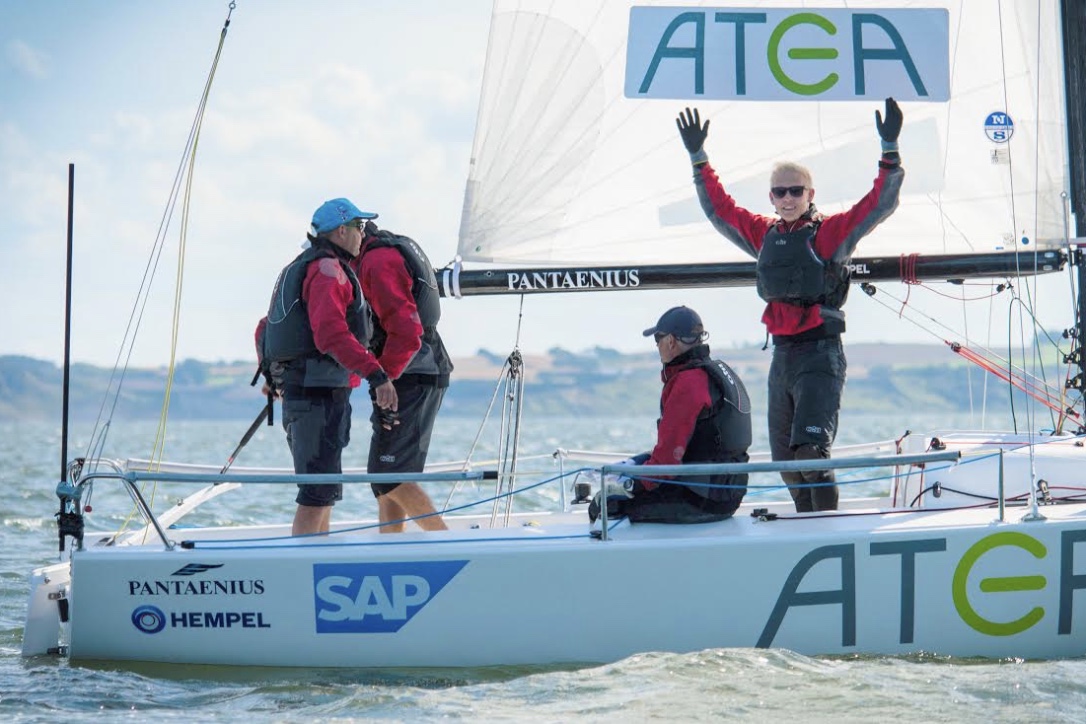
{"x": 27, "y": 60}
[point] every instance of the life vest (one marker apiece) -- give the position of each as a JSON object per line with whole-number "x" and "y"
{"x": 722, "y": 433}
{"x": 790, "y": 271}
{"x": 431, "y": 359}
{"x": 289, "y": 354}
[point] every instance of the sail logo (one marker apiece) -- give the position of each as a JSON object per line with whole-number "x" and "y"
{"x": 376, "y": 597}
{"x": 998, "y": 127}
{"x": 788, "y": 54}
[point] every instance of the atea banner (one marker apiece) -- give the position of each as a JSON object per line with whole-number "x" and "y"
{"x": 808, "y": 54}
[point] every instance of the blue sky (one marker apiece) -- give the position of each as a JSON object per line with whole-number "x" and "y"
{"x": 372, "y": 100}
{"x": 312, "y": 100}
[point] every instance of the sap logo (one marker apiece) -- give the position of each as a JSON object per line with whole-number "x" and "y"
{"x": 813, "y": 429}
{"x": 388, "y": 458}
{"x": 194, "y": 568}
{"x": 376, "y": 597}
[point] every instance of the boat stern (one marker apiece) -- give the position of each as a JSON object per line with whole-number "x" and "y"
{"x": 47, "y": 610}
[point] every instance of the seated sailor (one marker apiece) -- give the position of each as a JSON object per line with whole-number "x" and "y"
{"x": 704, "y": 418}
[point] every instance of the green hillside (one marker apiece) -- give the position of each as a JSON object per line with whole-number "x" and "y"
{"x": 598, "y": 382}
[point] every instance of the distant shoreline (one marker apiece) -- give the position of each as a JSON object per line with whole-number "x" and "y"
{"x": 881, "y": 377}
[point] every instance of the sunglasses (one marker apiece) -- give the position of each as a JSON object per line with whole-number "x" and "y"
{"x": 660, "y": 336}
{"x": 357, "y": 223}
{"x": 780, "y": 191}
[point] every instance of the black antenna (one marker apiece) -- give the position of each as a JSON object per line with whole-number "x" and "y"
{"x": 69, "y": 517}
{"x": 67, "y": 328}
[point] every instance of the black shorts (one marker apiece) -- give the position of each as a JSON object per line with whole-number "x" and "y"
{"x": 403, "y": 449}
{"x": 318, "y": 426}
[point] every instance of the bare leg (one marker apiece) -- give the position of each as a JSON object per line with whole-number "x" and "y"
{"x": 389, "y": 510}
{"x": 311, "y": 519}
{"x": 410, "y": 501}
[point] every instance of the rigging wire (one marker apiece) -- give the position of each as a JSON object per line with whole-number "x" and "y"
{"x": 510, "y": 385}
{"x": 1003, "y": 368}
{"x": 185, "y": 169}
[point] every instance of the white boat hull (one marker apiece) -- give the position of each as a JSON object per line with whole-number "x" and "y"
{"x": 946, "y": 582}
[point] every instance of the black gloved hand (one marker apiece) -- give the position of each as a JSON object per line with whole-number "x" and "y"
{"x": 616, "y": 502}
{"x": 388, "y": 419}
{"x": 692, "y": 131}
{"x": 891, "y": 126}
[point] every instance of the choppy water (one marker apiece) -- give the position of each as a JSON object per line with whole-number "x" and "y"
{"x": 746, "y": 685}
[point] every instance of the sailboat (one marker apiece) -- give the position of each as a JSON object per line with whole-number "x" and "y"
{"x": 578, "y": 183}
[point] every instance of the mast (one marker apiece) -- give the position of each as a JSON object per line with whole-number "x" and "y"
{"x": 1074, "y": 61}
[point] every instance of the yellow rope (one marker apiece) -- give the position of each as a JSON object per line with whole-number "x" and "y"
{"x": 158, "y": 447}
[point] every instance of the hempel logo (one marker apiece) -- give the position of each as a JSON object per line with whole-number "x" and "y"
{"x": 152, "y": 619}
{"x": 375, "y": 597}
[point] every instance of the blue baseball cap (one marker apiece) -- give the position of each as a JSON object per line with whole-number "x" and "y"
{"x": 337, "y": 212}
{"x": 681, "y": 322}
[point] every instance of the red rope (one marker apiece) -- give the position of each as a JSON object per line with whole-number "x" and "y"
{"x": 907, "y": 271}
{"x": 907, "y": 268}
{"x": 1027, "y": 386}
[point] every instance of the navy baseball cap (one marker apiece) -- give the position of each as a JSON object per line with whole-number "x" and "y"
{"x": 337, "y": 212}
{"x": 681, "y": 322}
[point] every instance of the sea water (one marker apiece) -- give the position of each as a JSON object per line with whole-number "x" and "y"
{"x": 738, "y": 684}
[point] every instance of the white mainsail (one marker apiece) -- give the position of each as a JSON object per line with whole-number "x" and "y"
{"x": 568, "y": 169}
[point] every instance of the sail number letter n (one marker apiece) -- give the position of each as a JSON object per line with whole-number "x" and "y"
{"x": 781, "y": 54}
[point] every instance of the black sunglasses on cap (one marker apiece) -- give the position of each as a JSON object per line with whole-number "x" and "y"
{"x": 780, "y": 191}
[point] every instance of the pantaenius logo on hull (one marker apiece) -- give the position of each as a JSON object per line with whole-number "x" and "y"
{"x": 375, "y": 597}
